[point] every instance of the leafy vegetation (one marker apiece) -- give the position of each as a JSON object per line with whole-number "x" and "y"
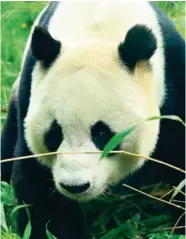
{"x": 132, "y": 216}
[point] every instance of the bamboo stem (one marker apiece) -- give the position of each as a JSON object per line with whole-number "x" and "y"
{"x": 93, "y": 152}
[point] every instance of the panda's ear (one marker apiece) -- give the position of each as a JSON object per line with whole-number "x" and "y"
{"x": 44, "y": 47}
{"x": 139, "y": 44}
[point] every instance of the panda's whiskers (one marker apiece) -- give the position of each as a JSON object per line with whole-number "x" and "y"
{"x": 52, "y": 190}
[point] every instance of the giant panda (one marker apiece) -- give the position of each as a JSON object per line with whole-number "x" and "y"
{"x": 90, "y": 70}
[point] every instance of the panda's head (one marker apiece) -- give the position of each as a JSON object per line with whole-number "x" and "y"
{"x": 82, "y": 95}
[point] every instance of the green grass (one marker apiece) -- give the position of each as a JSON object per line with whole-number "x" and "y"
{"x": 17, "y": 19}
{"x": 135, "y": 216}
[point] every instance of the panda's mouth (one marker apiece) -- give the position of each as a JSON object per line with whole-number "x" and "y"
{"x": 76, "y": 189}
{"x": 88, "y": 195}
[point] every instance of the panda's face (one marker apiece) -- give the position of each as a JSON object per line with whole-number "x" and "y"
{"x": 77, "y": 105}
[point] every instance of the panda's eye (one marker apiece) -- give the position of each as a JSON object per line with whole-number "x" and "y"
{"x": 101, "y": 134}
{"x": 53, "y": 137}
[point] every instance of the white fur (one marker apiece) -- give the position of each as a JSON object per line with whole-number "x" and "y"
{"x": 87, "y": 83}
{"x": 110, "y": 20}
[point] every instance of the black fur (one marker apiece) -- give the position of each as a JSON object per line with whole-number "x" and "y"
{"x": 33, "y": 183}
{"x": 44, "y": 47}
{"x": 53, "y": 137}
{"x": 101, "y": 134}
{"x": 8, "y": 139}
{"x": 139, "y": 44}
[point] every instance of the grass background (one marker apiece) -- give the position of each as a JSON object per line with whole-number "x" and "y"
{"x": 130, "y": 218}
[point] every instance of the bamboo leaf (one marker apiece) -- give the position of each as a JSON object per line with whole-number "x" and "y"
{"x": 116, "y": 140}
{"x": 119, "y": 137}
{"x": 27, "y": 231}
{"x": 3, "y": 218}
{"x": 28, "y": 228}
{"x": 15, "y": 209}
{"x": 49, "y": 234}
{"x": 178, "y": 188}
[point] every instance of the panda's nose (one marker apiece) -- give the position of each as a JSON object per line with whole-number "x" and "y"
{"x": 75, "y": 188}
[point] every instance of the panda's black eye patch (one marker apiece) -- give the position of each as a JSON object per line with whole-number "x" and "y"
{"x": 53, "y": 137}
{"x": 101, "y": 134}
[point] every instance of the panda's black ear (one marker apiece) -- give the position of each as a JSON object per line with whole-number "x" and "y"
{"x": 44, "y": 47}
{"x": 139, "y": 44}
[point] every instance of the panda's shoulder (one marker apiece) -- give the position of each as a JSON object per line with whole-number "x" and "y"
{"x": 167, "y": 27}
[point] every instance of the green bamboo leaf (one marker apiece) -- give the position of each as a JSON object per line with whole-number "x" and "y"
{"x": 27, "y": 231}
{"x": 116, "y": 140}
{"x": 116, "y": 219}
{"x": 49, "y": 234}
{"x": 119, "y": 137}
{"x": 170, "y": 117}
{"x": 15, "y": 209}
{"x": 7, "y": 194}
{"x": 178, "y": 188}
{"x": 3, "y": 218}
{"x": 113, "y": 233}
{"x": 156, "y": 221}
{"x": 127, "y": 230}
{"x": 28, "y": 228}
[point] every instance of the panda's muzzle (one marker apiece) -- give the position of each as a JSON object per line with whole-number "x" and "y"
{"x": 75, "y": 189}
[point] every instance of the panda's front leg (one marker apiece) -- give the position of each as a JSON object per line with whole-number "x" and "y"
{"x": 34, "y": 186}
